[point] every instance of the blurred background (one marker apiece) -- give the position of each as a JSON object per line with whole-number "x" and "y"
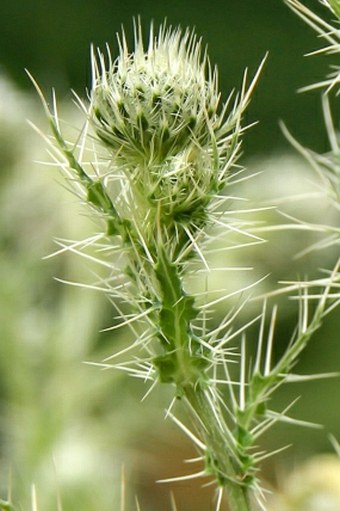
{"x": 67, "y": 427}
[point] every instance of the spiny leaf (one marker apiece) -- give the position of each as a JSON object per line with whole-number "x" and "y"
{"x": 177, "y": 307}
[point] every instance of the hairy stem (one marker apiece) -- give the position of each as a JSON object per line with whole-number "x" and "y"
{"x": 185, "y": 363}
{"x": 220, "y": 460}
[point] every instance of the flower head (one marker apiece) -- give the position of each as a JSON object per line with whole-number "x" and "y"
{"x": 149, "y": 105}
{"x": 156, "y": 109}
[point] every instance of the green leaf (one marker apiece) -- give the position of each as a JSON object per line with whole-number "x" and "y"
{"x": 177, "y": 307}
{"x": 111, "y": 227}
{"x": 184, "y": 359}
{"x": 166, "y": 366}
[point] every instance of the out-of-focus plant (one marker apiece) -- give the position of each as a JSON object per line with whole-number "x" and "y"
{"x": 314, "y": 486}
{"x": 327, "y": 166}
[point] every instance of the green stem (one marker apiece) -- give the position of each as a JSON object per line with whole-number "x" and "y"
{"x": 184, "y": 363}
{"x": 221, "y": 461}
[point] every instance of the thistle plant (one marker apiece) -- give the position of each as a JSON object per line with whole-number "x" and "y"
{"x": 326, "y": 165}
{"x": 153, "y": 163}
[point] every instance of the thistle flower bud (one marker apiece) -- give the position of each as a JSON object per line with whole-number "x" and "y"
{"x": 148, "y": 106}
{"x": 157, "y": 112}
